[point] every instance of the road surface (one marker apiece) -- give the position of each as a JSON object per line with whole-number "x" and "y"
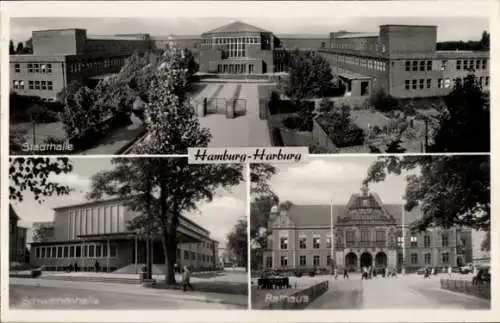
{"x": 26, "y": 293}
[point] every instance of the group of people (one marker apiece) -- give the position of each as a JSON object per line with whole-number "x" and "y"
{"x": 367, "y": 272}
{"x": 74, "y": 267}
{"x": 186, "y": 276}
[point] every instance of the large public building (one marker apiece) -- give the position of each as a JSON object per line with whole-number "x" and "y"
{"x": 98, "y": 231}
{"x": 363, "y": 232}
{"x": 17, "y": 239}
{"x": 403, "y": 60}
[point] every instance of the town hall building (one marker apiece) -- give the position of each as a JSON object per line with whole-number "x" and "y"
{"x": 363, "y": 232}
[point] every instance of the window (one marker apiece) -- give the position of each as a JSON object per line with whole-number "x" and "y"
{"x": 316, "y": 242}
{"x": 30, "y": 68}
{"x": 98, "y": 251}
{"x": 400, "y": 241}
{"x": 54, "y": 252}
{"x": 92, "y": 251}
{"x": 328, "y": 242}
{"x": 316, "y": 260}
{"x": 484, "y": 64}
{"x": 466, "y": 67}
{"x": 427, "y": 241}
{"x": 445, "y": 257}
{"x": 471, "y": 64}
{"x": 302, "y": 242}
{"x": 440, "y": 83}
{"x": 365, "y": 237}
{"x": 42, "y": 253}
{"x": 414, "y": 84}
{"x": 269, "y": 262}
{"x": 71, "y": 251}
{"x": 49, "y": 85}
{"x": 284, "y": 261}
{"x": 37, "y": 252}
{"x": 59, "y": 252}
{"x": 459, "y": 64}
{"x": 429, "y": 65}
{"x": 444, "y": 64}
{"x": 283, "y": 243}
{"x": 329, "y": 260}
{"x": 421, "y": 83}
{"x": 414, "y": 258}
{"x": 407, "y": 84}
{"x": 422, "y": 66}
{"x": 380, "y": 237}
{"x": 444, "y": 240}
{"x": 193, "y": 255}
{"x": 186, "y": 255}
{"x": 37, "y": 85}
{"x": 413, "y": 241}
{"x": 447, "y": 83}
{"x": 487, "y": 81}
{"x": 36, "y": 68}
{"x": 85, "y": 250}
{"x": 17, "y": 68}
{"x": 427, "y": 258}
{"x": 113, "y": 251}
{"x": 478, "y": 64}
{"x": 415, "y": 66}
{"x": 44, "y": 85}
{"x": 458, "y": 81}
{"x": 302, "y": 260}
{"x": 407, "y": 65}
{"x": 350, "y": 239}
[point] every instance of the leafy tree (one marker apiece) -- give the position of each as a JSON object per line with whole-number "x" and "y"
{"x": 451, "y": 190}
{"x": 34, "y": 174}
{"x": 260, "y": 174}
{"x": 12, "y": 50}
{"x": 41, "y": 233}
{"x": 325, "y": 106}
{"x": 484, "y": 43}
{"x": 238, "y": 243}
{"x": 343, "y": 132}
{"x": 19, "y": 48}
{"x": 466, "y": 125}
{"x": 17, "y": 140}
{"x": 383, "y": 102}
{"x": 28, "y": 46}
{"x": 161, "y": 190}
{"x": 309, "y": 76}
{"x": 190, "y": 63}
{"x": 169, "y": 118}
{"x": 395, "y": 147}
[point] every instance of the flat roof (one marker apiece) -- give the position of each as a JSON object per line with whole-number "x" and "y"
{"x": 357, "y": 35}
{"x": 353, "y": 76}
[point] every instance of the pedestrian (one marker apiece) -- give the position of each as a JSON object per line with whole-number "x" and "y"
{"x": 449, "y": 271}
{"x": 97, "y": 266}
{"x": 346, "y": 274}
{"x": 364, "y": 274}
{"x": 335, "y": 273}
{"x": 186, "y": 275}
{"x": 76, "y": 267}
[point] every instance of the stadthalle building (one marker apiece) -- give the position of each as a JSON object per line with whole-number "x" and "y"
{"x": 366, "y": 232}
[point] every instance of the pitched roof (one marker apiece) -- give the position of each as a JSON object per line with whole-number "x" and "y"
{"x": 235, "y": 27}
{"x": 319, "y": 215}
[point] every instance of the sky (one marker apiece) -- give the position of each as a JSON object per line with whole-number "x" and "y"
{"x": 449, "y": 28}
{"x": 218, "y": 216}
{"x": 335, "y": 179}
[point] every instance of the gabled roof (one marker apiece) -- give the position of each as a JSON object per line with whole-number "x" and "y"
{"x": 319, "y": 215}
{"x": 235, "y": 27}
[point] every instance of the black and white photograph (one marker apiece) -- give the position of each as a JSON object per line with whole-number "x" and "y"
{"x": 372, "y": 233}
{"x": 127, "y": 233}
{"x": 94, "y": 86}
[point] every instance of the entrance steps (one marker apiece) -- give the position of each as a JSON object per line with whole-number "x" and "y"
{"x": 158, "y": 269}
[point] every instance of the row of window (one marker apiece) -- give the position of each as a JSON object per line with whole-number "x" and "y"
{"x": 426, "y": 65}
{"x": 445, "y": 258}
{"x": 94, "y": 250}
{"x": 359, "y": 46}
{"x": 97, "y": 65}
{"x": 34, "y": 68}
{"x": 442, "y": 83}
{"x": 367, "y": 63}
{"x": 33, "y": 85}
{"x": 191, "y": 255}
{"x": 236, "y": 68}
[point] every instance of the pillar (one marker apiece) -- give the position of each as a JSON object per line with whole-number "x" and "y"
{"x": 108, "y": 252}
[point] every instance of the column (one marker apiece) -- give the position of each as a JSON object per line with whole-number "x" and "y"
{"x": 108, "y": 252}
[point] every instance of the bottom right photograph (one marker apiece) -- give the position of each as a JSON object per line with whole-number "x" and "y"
{"x": 365, "y": 232}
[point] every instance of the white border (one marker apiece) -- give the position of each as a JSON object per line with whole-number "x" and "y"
{"x": 303, "y": 10}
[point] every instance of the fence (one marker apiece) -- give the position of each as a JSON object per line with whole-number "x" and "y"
{"x": 482, "y": 290}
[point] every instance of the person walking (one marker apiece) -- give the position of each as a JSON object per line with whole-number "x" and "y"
{"x": 186, "y": 277}
{"x": 449, "y": 271}
{"x": 97, "y": 267}
{"x": 346, "y": 274}
{"x": 335, "y": 273}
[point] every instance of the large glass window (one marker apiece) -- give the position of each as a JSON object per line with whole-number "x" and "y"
{"x": 316, "y": 242}
{"x": 302, "y": 242}
{"x": 350, "y": 239}
{"x": 302, "y": 260}
{"x": 283, "y": 243}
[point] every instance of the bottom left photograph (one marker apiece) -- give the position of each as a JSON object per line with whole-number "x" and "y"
{"x": 127, "y": 233}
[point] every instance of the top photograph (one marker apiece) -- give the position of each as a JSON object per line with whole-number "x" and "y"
{"x": 151, "y": 86}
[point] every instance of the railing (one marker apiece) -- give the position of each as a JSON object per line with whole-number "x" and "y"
{"x": 482, "y": 290}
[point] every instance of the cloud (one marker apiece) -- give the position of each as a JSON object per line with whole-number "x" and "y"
{"x": 72, "y": 180}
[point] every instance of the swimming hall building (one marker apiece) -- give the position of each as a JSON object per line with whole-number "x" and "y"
{"x": 363, "y": 232}
{"x": 97, "y": 231}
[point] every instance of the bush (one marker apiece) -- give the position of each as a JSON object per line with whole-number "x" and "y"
{"x": 347, "y": 136}
{"x": 28, "y": 108}
{"x": 312, "y": 274}
{"x": 298, "y": 274}
{"x": 384, "y": 102}
{"x": 376, "y": 130}
{"x": 325, "y": 105}
{"x": 277, "y": 138}
{"x": 292, "y": 122}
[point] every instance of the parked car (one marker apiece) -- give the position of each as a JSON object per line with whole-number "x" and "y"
{"x": 421, "y": 271}
{"x": 466, "y": 269}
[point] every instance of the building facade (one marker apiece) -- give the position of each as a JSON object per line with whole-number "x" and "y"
{"x": 17, "y": 239}
{"x": 98, "y": 231}
{"x": 403, "y": 61}
{"x": 65, "y": 55}
{"x": 364, "y": 232}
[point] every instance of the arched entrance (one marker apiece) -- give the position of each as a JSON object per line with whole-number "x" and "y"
{"x": 366, "y": 259}
{"x": 351, "y": 261}
{"x": 381, "y": 259}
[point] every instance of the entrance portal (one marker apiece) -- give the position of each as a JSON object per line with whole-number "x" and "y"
{"x": 381, "y": 259}
{"x": 366, "y": 259}
{"x": 351, "y": 261}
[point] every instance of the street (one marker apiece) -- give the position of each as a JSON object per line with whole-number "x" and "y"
{"x": 28, "y": 293}
{"x": 404, "y": 292}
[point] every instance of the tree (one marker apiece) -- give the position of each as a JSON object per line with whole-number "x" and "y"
{"x": 190, "y": 63}
{"x": 162, "y": 190}
{"x": 20, "y": 48}
{"x": 484, "y": 43}
{"x": 383, "y": 102}
{"x": 169, "y": 118}
{"x": 394, "y": 147}
{"x": 12, "y": 50}
{"x": 238, "y": 243}
{"x": 41, "y": 233}
{"x": 260, "y": 174}
{"x": 450, "y": 190}
{"x": 28, "y": 46}
{"x": 34, "y": 174}
{"x": 465, "y": 127}
{"x": 486, "y": 243}
{"x": 309, "y": 76}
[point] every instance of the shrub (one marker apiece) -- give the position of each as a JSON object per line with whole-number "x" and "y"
{"x": 292, "y": 123}
{"x": 376, "y": 130}
{"x": 312, "y": 274}
{"x": 325, "y": 105}
{"x": 350, "y": 135}
{"x": 383, "y": 102}
{"x": 298, "y": 274}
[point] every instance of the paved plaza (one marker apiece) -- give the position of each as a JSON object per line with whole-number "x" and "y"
{"x": 243, "y": 131}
